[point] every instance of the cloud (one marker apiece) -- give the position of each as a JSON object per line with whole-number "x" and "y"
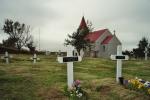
{"x": 57, "y": 18}
{"x": 33, "y": 12}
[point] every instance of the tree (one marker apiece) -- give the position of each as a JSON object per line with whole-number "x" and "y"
{"x": 77, "y": 39}
{"x": 18, "y": 32}
{"x": 126, "y": 52}
{"x": 143, "y": 43}
{"x": 31, "y": 46}
{"x": 10, "y": 42}
{"x": 139, "y": 52}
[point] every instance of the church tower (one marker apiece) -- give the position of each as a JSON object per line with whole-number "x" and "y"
{"x": 83, "y": 24}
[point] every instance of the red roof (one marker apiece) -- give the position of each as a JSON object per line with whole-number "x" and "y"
{"x": 93, "y": 36}
{"x": 82, "y": 24}
{"x": 107, "y": 39}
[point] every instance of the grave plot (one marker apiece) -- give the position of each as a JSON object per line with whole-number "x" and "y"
{"x": 69, "y": 60}
{"x": 73, "y": 90}
{"x": 119, "y": 57}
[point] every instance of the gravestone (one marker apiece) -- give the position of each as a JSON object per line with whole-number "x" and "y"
{"x": 35, "y": 58}
{"x": 146, "y": 53}
{"x": 47, "y": 53}
{"x": 119, "y": 57}
{"x": 6, "y": 57}
{"x": 81, "y": 53}
{"x": 59, "y": 53}
{"x": 69, "y": 60}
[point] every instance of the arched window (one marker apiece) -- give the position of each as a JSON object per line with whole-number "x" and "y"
{"x": 104, "y": 48}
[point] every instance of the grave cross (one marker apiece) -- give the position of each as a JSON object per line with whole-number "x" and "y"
{"x": 146, "y": 53}
{"x": 69, "y": 60}
{"x": 34, "y": 58}
{"x": 6, "y": 57}
{"x": 119, "y": 57}
{"x": 59, "y": 53}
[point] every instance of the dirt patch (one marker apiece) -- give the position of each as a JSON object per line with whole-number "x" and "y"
{"x": 51, "y": 94}
{"x": 104, "y": 90}
{"x": 18, "y": 70}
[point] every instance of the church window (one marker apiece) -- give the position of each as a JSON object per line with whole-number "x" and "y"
{"x": 104, "y": 48}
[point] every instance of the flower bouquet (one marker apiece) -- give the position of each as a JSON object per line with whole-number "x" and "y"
{"x": 76, "y": 92}
{"x": 138, "y": 85}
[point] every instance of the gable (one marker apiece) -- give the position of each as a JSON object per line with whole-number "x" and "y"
{"x": 115, "y": 40}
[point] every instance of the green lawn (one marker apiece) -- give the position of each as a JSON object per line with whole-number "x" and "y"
{"x": 45, "y": 80}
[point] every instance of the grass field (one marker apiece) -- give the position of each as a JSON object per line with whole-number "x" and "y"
{"x": 45, "y": 80}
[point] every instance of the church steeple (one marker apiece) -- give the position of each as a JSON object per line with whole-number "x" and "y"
{"x": 82, "y": 23}
{"x": 114, "y": 33}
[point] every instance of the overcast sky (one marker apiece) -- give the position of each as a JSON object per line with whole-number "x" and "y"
{"x": 57, "y": 18}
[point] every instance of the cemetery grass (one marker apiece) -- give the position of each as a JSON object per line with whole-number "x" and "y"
{"x": 45, "y": 80}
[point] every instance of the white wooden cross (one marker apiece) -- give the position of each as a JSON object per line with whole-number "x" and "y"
{"x": 69, "y": 60}
{"x": 146, "y": 53}
{"x": 47, "y": 53}
{"x": 59, "y": 53}
{"x": 81, "y": 53}
{"x": 119, "y": 57}
{"x": 34, "y": 58}
{"x": 6, "y": 57}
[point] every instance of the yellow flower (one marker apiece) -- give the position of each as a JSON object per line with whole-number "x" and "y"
{"x": 140, "y": 86}
{"x": 129, "y": 81}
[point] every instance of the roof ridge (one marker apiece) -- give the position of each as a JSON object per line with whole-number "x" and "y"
{"x": 93, "y": 36}
{"x": 107, "y": 39}
{"x": 100, "y": 30}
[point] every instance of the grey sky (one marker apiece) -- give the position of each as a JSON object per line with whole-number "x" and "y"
{"x": 57, "y": 18}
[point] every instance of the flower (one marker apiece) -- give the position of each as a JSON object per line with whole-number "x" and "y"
{"x": 138, "y": 85}
{"x": 75, "y": 91}
{"x": 80, "y": 94}
{"x": 77, "y": 82}
{"x": 147, "y": 84}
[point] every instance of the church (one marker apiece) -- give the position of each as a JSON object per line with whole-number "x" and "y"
{"x": 103, "y": 42}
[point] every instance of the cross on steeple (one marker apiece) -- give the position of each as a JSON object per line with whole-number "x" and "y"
{"x": 114, "y": 32}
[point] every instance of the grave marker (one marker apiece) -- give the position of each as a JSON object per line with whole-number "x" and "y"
{"x": 59, "y": 53}
{"x": 69, "y": 60}
{"x": 81, "y": 53}
{"x": 47, "y": 53}
{"x": 6, "y": 57}
{"x": 34, "y": 58}
{"x": 119, "y": 57}
{"x": 146, "y": 53}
